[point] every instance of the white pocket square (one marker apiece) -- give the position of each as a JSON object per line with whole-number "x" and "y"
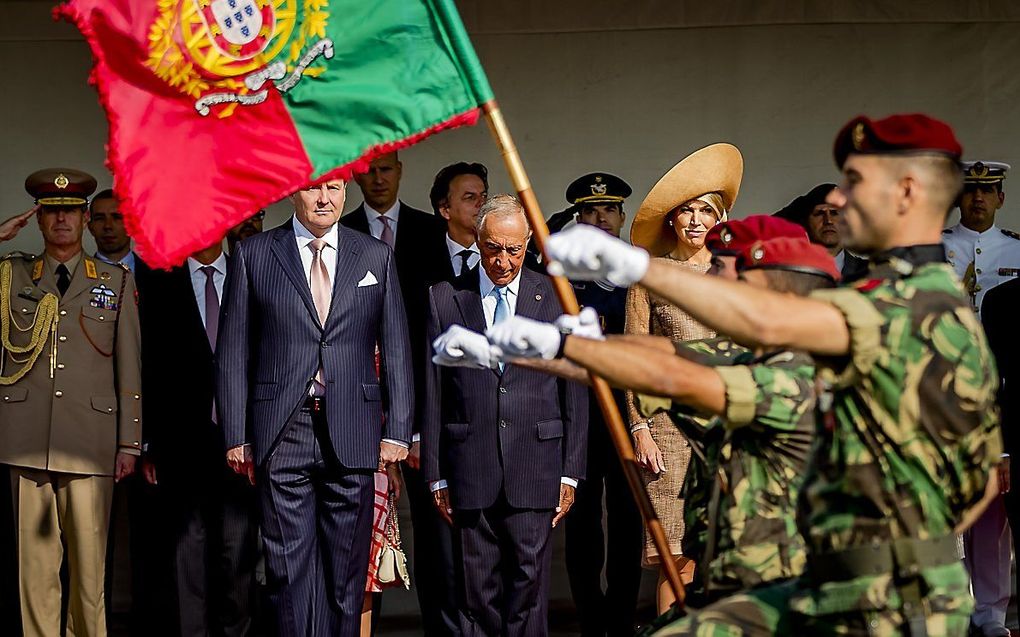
{"x": 367, "y": 280}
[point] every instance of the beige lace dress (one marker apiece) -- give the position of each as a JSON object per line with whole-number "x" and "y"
{"x": 648, "y": 314}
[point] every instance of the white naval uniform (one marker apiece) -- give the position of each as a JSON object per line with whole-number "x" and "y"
{"x": 995, "y": 254}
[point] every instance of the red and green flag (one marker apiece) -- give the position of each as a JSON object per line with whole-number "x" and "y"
{"x": 220, "y": 107}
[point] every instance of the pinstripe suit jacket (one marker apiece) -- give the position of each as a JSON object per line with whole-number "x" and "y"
{"x": 270, "y": 346}
{"x": 521, "y": 430}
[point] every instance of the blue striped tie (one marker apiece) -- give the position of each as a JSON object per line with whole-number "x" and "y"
{"x": 502, "y": 311}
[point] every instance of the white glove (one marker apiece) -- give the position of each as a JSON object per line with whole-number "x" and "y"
{"x": 586, "y": 253}
{"x": 460, "y": 347}
{"x": 522, "y": 337}
{"x": 586, "y": 324}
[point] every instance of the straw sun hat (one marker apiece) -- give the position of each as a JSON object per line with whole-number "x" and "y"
{"x": 715, "y": 168}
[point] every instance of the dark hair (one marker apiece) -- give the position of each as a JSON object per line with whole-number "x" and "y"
{"x": 794, "y": 282}
{"x": 102, "y": 194}
{"x": 441, "y": 185}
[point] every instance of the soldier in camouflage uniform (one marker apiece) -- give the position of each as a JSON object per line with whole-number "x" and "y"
{"x": 742, "y": 514}
{"x": 907, "y": 445}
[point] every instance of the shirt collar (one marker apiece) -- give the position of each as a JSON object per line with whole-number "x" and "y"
{"x": 455, "y": 247}
{"x": 304, "y": 237}
{"x": 485, "y": 284}
{"x": 220, "y": 264}
{"x": 974, "y": 234}
{"x": 392, "y": 213}
{"x": 71, "y": 264}
{"x": 128, "y": 259}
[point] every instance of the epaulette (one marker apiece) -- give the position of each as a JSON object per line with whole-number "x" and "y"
{"x": 947, "y": 231}
{"x": 1010, "y": 234}
{"x": 18, "y": 254}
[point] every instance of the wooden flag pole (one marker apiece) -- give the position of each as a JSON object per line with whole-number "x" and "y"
{"x": 568, "y": 300}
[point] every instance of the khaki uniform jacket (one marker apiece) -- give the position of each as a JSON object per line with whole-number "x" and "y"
{"x": 77, "y": 420}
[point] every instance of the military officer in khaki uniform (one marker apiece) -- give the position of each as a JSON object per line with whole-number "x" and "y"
{"x": 70, "y": 403}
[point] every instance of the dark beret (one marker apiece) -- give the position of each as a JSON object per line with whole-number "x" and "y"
{"x": 911, "y": 133}
{"x": 736, "y": 235}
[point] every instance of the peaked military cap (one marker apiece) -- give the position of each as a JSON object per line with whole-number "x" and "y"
{"x": 597, "y": 188}
{"x": 911, "y": 133}
{"x": 60, "y": 187}
{"x": 984, "y": 172}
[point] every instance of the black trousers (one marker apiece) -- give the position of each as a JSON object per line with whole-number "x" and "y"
{"x": 317, "y": 527}
{"x": 609, "y": 611}
{"x": 212, "y": 523}
{"x": 434, "y": 572}
{"x": 505, "y": 556}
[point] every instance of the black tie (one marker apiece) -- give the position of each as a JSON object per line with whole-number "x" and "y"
{"x": 464, "y": 255}
{"x": 63, "y": 278}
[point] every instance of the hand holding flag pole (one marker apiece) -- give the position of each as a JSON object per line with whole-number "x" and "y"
{"x": 565, "y": 294}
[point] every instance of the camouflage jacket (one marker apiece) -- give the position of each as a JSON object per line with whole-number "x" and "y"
{"x": 741, "y": 493}
{"x": 912, "y": 433}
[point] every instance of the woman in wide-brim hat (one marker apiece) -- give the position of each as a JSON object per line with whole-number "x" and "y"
{"x": 671, "y": 224}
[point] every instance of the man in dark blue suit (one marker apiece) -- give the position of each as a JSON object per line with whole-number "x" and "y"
{"x": 302, "y": 408}
{"x": 502, "y": 449}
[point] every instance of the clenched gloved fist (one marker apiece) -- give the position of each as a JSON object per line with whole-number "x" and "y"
{"x": 587, "y": 253}
{"x": 460, "y": 347}
{"x": 520, "y": 337}
{"x": 586, "y": 324}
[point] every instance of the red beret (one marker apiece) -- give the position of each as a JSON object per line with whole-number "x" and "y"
{"x": 786, "y": 253}
{"x": 897, "y": 134}
{"x": 734, "y": 236}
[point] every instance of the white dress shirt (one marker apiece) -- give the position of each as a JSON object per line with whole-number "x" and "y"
{"x": 375, "y": 225}
{"x": 485, "y": 287}
{"x": 455, "y": 249}
{"x": 198, "y": 281}
{"x": 329, "y": 252}
{"x": 128, "y": 260}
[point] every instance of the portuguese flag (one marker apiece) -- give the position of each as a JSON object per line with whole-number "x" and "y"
{"x": 220, "y": 107}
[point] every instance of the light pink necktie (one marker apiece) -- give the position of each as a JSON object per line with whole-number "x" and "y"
{"x": 387, "y": 230}
{"x": 321, "y": 295}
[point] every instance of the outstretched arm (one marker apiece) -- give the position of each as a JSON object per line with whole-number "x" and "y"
{"x": 649, "y": 371}
{"x": 750, "y": 315}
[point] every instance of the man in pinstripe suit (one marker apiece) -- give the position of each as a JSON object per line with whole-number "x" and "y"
{"x": 502, "y": 448}
{"x": 304, "y": 415}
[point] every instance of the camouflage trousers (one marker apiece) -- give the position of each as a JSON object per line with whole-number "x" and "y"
{"x": 794, "y": 608}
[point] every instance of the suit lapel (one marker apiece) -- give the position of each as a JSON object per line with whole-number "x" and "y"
{"x": 187, "y": 290}
{"x": 529, "y": 302}
{"x": 357, "y": 219}
{"x": 469, "y": 302}
{"x": 528, "y": 298}
{"x": 286, "y": 252}
{"x": 348, "y": 271}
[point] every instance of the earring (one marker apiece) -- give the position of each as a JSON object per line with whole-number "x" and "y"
{"x": 670, "y": 222}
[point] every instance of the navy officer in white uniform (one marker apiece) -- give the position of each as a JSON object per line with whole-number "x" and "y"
{"x": 985, "y": 256}
{"x": 982, "y": 254}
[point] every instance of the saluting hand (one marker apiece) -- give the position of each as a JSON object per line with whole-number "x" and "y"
{"x": 239, "y": 459}
{"x": 10, "y": 228}
{"x": 566, "y": 502}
